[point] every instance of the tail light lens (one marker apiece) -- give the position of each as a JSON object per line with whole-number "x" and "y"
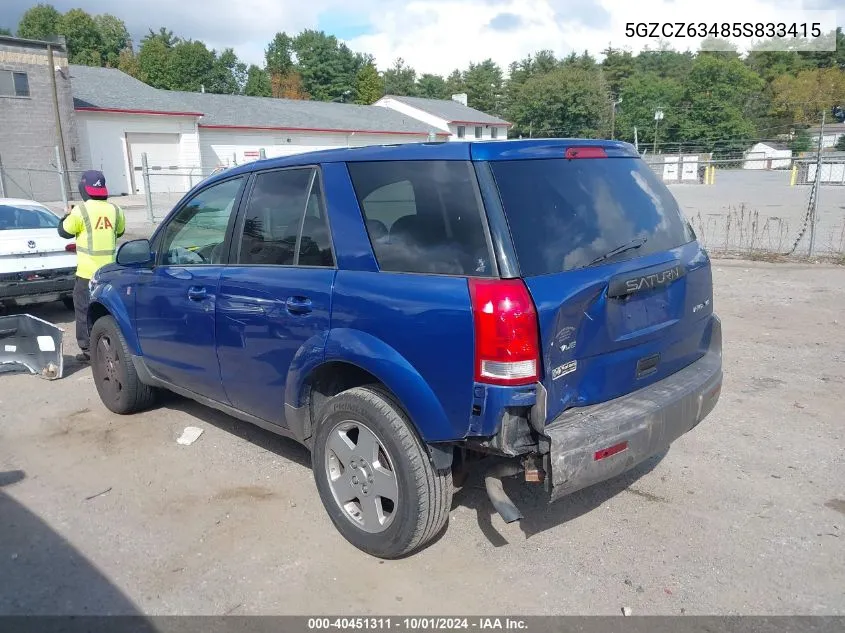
{"x": 506, "y": 335}
{"x": 71, "y": 248}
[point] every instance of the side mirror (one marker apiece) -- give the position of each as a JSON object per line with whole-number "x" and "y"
{"x": 134, "y": 253}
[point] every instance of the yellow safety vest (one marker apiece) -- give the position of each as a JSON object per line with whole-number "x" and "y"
{"x": 96, "y": 224}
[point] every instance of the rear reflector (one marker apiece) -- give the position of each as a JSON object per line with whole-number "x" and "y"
{"x": 585, "y": 152}
{"x": 71, "y": 248}
{"x": 608, "y": 452}
{"x": 507, "y": 348}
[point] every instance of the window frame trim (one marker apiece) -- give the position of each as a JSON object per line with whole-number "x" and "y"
{"x": 161, "y": 233}
{"x": 233, "y": 259}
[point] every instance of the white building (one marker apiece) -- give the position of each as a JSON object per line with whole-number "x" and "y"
{"x": 186, "y": 135}
{"x": 768, "y": 155}
{"x": 454, "y": 117}
{"x": 832, "y": 133}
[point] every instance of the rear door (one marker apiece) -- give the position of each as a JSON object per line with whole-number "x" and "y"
{"x": 275, "y": 298}
{"x": 622, "y": 289}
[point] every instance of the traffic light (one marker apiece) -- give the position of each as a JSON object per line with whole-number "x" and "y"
{"x": 839, "y": 113}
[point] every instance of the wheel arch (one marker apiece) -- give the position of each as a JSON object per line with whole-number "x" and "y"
{"x": 354, "y": 358}
{"x": 106, "y": 303}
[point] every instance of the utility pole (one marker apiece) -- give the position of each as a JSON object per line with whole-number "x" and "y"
{"x": 613, "y": 118}
{"x": 818, "y": 186}
{"x": 57, "y": 112}
{"x": 658, "y": 114}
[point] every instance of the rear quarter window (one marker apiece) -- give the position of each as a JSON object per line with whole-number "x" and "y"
{"x": 565, "y": 213}
{"x": 424, "y": 216}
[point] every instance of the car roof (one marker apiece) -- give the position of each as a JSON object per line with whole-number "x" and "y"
{"x": 445, "y": 150}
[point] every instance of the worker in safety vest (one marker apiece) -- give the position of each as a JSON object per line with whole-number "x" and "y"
{"x": 96, "y": 224}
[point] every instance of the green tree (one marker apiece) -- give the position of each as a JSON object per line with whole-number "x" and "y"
{"x": 85, "y": 44}
{"x": 617, "y": 66}
{"x": 189, "y": 66}
{"x": 127, "y": 62}
{"x": 40, "y": 22}
{"x": 718, "y": 94}
{"x": 114, "y": 38}
{"x": 567, "y": 102}
{"x": 484, "y": 86}
{"x": 5, "y": 31}
{"x": 432, "y": 87}
{"x": 400, "y": 79}
{"x": 152, "y": 61}
{"x": 257, "y": 82}
{"x": 228, "y": 74}
{"x": 164, "y": 35}
{"x": 665, "y": 62}
{"x": 455, "y": 83}
{"x": 642, "y": 95}
{"x": 801, "y": 99}
{"x": 278, "y": 56}
{"x": 328, "y": 68}
{"x": 369, "y": 86}
{"x": 840, "y": 144}
{"x": 801, "y": 142}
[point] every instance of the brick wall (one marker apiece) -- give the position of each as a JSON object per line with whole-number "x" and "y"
{"x": 28, "y": 135}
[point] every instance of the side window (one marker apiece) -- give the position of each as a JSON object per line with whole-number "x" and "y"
{"x": 423, "y": 216}
{"x": 315, "y": 247}
{"x": 285, "y": 209}
{"x": 197, "y": 233}
{"x": 273, "y": 217}
{"x": 462, "y": 131}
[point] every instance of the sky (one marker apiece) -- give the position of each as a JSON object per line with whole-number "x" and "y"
{"x": 433, "y": 36}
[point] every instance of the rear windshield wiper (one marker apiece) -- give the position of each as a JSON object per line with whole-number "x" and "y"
{"x": 629, "y": 246}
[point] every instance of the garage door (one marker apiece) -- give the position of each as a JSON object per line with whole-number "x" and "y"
{"x": 163, "y": 159}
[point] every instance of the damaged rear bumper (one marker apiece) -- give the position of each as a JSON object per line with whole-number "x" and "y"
{"x": 31, "y": 344}
{"x": 594, "y": 443}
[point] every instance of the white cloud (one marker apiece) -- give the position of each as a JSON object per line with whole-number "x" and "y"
{"x": 431, "y": 35}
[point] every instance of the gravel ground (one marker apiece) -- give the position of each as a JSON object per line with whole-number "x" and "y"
{"x": 745, "y": 515}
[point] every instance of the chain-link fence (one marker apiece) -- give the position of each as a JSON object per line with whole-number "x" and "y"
{"x": 45, "y": 183}
{"x": 748, "y": 203}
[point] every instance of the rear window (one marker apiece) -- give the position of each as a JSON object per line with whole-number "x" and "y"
{"x": 22, "y": 217}
{"x": 564, "y": 214}
{"x": 423, "y": 216}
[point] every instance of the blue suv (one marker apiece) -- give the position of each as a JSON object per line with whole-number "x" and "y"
{"x": 541, "y": 306}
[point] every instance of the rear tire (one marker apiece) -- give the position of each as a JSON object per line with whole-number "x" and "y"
{"x": 365, "y": 452}
{"x": 68, "y": 301}
{"x": 117, "y": 381}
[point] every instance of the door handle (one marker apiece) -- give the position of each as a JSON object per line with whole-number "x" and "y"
{"x": 197, "y": 293}
{"x": 298, "y": 305}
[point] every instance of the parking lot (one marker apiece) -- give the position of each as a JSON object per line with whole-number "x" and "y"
{"x": 745, "y": 515}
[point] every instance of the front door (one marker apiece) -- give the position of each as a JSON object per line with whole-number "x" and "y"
{"x": 176, "y": 299}
{"x": 274, "y": 299}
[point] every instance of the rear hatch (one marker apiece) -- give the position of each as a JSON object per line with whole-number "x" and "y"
{"x": 623, "y": 291}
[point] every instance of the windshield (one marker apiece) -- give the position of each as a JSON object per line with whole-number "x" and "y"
{"x": 14, "y": 217}
{"x": 566, "y": 214}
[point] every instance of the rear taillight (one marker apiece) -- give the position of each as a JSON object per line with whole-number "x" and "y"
{"x": 585, "y": 152}
{"x": 507, "y": 347}
{"x": 71, "y": 248}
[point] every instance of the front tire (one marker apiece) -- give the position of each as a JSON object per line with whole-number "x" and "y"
{"x": 117, "y": 381}
{"x": 375, "y": 477}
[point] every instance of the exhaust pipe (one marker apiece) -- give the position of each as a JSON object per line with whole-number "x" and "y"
{"x": 493, "y": 482}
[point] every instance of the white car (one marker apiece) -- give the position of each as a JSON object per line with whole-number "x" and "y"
{"x": 37, "y": 265}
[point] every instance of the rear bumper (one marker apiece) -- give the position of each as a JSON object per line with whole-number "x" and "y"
{"x": 635, "y": 427}
{"x": 42, "y": 285}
